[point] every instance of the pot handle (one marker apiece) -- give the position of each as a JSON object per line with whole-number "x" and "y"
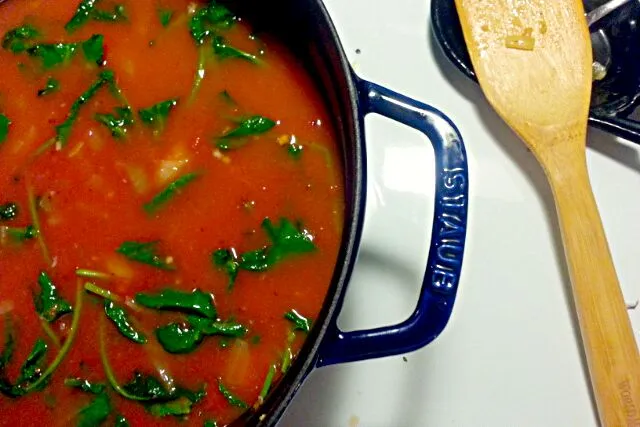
{"x": 442, "y": 274}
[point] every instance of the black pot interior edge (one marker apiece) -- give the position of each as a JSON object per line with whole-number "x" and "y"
{"x": 304, "y": 26}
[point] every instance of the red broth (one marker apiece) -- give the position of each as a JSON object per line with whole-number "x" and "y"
{"x": 240, "y": 178}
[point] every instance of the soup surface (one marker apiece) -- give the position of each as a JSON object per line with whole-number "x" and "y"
{"x": 171, "y": 209}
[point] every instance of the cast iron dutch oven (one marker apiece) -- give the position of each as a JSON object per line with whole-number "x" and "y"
{"x": 305, "y": 26}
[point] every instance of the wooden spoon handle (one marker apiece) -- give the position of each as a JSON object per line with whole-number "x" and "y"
{"x": 610, "y": 347}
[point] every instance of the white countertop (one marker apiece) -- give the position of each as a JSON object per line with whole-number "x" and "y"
{"x": 510, "y": 355}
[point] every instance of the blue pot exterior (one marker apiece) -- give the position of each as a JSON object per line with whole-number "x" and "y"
{"x": 306, "y": 28}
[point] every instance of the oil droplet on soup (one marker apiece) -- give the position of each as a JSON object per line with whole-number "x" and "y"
{"x": 170, "y": 212}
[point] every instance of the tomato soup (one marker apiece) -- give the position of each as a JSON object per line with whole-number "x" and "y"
{"x": 171, "y": 209}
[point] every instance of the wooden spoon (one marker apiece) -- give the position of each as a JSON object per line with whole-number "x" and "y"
{"x": 533, "y": 62}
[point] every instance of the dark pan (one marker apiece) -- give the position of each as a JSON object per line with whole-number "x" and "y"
{"x": 614, "y": 99}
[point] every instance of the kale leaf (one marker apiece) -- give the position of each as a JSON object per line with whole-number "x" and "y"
{"x": 55, "y": 54}
{"x": 117, "y": 123}
{"x": 50, "y": 87}
{"x": 87, "y": 10}
{"x": 156, "y": 115}
{"x": 49, "y": 304}
{"x": 96, "y": 412}
{"x": 145, "y": 253}
{"x": 85, "y": 385}
{"x": 119, "y": 317}
{"x": 165, "y": 15}
{"x": 230, "y": 397}
{"x": 223, "y": 50}
{"x": 299, "y": 321}
{"x": 169, "y": 192}
{"x": 208, "y": 20}
{"x": 32, "y": 367}
{"x": 4, "y": 127}
{"x": 158, "y": 400}
{"x": 179, "y": 338}
{"x": 286, "y": 239}
{"x": 196, "y": 302}
{"x": 63, "y": 131}
{"x": 235, "y": 138}
{"x": 9, "y": 211}
{"x": 20, "y": 39}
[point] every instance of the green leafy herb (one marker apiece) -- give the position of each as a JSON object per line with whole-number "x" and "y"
{"x": 267, "y": 383}
{"x": 172, "y": 190}
{"x": 96, "y": 412}
{"x": 300, "y": 322}
{"x": 43, "y": 377}
{"x": 82, "y": 15}
{"x": 117, "y": 123}
{"x": 254, "y": 260}
{"x": 204, "y": 24}
{"x": 178, "y": 339}
{"x": 185, "y": 337}
{"x": 93, "y": 49}
{"x": 9, "y": 211}
{"x": 210, "y": 423}
{"x": 120, "y": 318}
{"x": 63, "y": 131}
{"x": 231, "y": 398}
{"x": 254, "y": 125}
{"x": 49, "y": 304}
{"x": 196, "y": 302}
{"x": 225, "y": 259}
{"x": 87, "y": 10}
{"x": 85, "y": 385}
{"x": 286, "y": 239}
{"x": 20, "y": 39}
{"x": 35, "y": 218}
{"x": 165, "y": 15}
{"x": 32, "y": 375}
{"x": 156, "y": 115}
{"x": 121, "y": 421}
{"x": 179, "y": 407}
{"x": 6, "y": 355}
{"x": 159, "y": 401}
{"x": 147, "y": 388}
{"x": 118, "y": 14}
{"x": 145, "y": 253}
{"x": 222, "y": 50}
{"x": 55, "y": 54}
{"x": 227, "y": 328}
{"x": 32, "y": 367}
{"x": 209, "y": 19}
{"x": 9, "y": 344}
{"x": 295, "y": 150}
{"x": 20, "y": 234}
{"x": 4, "y": 127}
{"x": 52, "y": 86}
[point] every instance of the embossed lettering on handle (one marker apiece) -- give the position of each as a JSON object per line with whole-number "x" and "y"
{"x": 449, "y": 226}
